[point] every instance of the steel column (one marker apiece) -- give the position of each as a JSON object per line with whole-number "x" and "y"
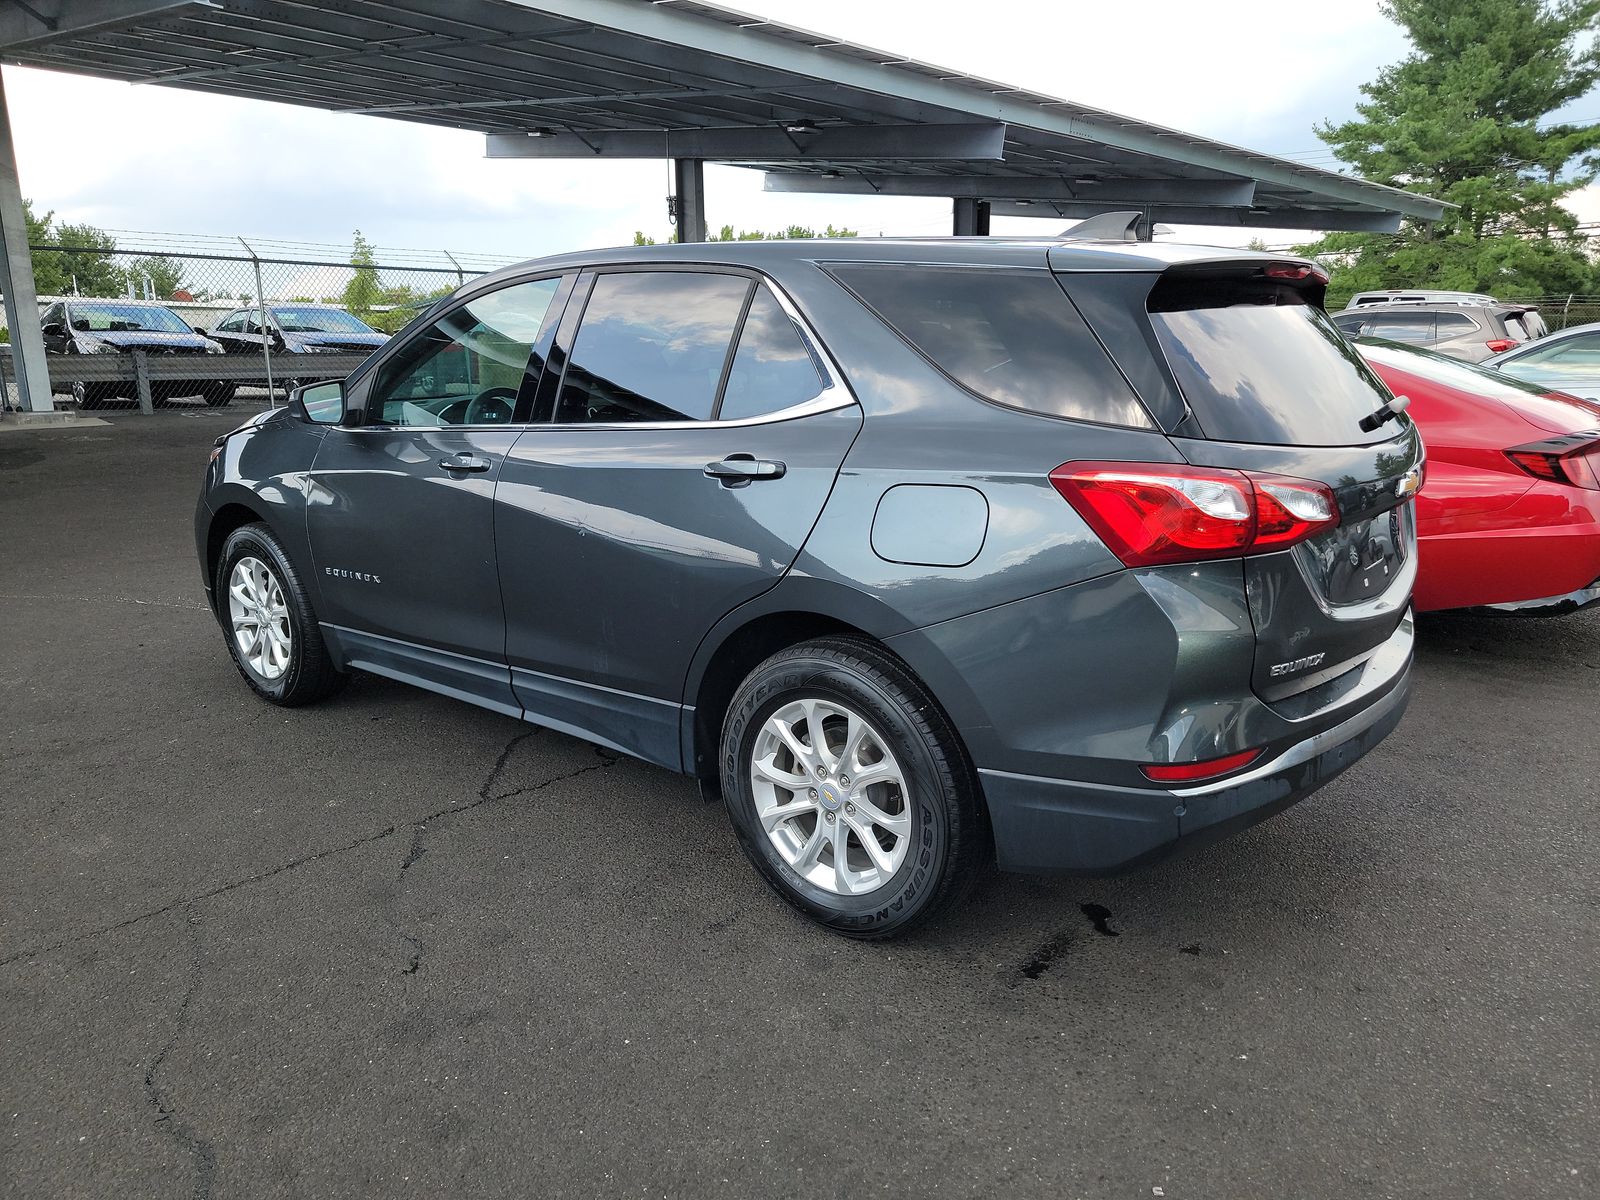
{"x": 689, "y": 187}
{"x": 16, "y": 281}
{"x": 971, "y": 217}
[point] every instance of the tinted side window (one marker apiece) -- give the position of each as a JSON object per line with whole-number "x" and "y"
{"x": 1453, "y": 324}
{"x": 1010, "y": 336}
{"x": 773, "y": 367}
{"x": 233, "y": 324}
{"x": 468, "y": 366}
{"x": 651, "y": 347}
{"x": 1401, "y": 327}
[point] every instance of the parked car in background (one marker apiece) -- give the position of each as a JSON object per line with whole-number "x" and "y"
{"x": 295, "y": 330}
{"x": 1468, "y": 331}
{"x": 1509, "y": 515}
{"x": 918, "y": 551}
{"x": 1417, "y": 295}
{"x": 1568, "y": 361}
{"x": 120, "y": 327}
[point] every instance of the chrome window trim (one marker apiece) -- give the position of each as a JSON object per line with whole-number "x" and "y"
{"x": 835, "y": 393}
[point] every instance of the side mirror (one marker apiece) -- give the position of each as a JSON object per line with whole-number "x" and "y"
{"x": 53, "y": 328}
{"x": 200, "y": 329}
{"x": 319, "y": 403}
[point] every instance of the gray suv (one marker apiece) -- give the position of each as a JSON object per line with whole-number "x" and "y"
{"x": 1469, "y": 331}
{"x": 916, "y": 551}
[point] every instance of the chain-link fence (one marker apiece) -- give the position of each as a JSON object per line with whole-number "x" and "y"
{"x": 185, "y": 321}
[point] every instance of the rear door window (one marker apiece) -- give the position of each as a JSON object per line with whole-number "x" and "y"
{"x": 1258, "y": 364}
{"x": 652, "y": 346}
{"x": 1401, "y": 327}
{"x": 774, "y": 365}
{"x": 1453, "y": 325}
{"x": 1010, "y": 336}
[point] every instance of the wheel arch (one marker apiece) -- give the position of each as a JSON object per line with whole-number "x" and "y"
{"x": 234, "y": 511}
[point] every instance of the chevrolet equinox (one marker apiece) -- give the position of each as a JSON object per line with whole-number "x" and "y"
{"x": 916, "y": 551}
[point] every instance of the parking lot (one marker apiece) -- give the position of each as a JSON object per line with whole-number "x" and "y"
{"x": 396, "y": 945}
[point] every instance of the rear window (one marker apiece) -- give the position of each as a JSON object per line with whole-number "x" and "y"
{"x": 1012, "y": 337}
{"x": 1258, "y": 364}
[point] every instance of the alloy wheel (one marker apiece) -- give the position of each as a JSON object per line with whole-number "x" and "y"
{"x": 260, "y": 618}
{"x": 830, "y": 796}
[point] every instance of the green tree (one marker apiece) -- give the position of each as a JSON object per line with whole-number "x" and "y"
{"x": 90, "y": 268}
{"x": 363, "y": 290}
{"x": 727, "y": 234}
{"x": 1465, "y": 118}
{"x": 163, "y": 275}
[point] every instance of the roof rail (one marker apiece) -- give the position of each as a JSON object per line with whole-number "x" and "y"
{"x": 1105, "y": 227}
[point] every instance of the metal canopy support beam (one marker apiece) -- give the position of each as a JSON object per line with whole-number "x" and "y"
{"x": 16, "y": 280}
{"x": 42, "y": 20}
{"x": 749, "y": 44}
{"x": 1188, "y": 214}
{"x": 689, "y": 187}
{"x": 1110, "y": 193}
{"x": 913, "y": 143}
{"x": 971, "y": 218}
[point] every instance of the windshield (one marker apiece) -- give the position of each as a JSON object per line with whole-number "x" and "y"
{"x": 318, "y": 320}
{"x": 1257, "y": 363}
{"x": 111, "y": 317}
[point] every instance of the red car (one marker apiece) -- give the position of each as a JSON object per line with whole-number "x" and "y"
{"x": 1509, "y": 515}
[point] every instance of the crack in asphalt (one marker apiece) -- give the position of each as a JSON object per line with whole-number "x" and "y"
{"x": 484, "y": 797}
{"x": 186, "y": 605}
{"x": 179, "y": 1130}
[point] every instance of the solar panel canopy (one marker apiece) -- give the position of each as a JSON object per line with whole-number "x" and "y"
{"x": 694, "y": 82}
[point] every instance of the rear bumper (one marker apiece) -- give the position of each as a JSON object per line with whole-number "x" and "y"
{"x": 1055, "y": 825}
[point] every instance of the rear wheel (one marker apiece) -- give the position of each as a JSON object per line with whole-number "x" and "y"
{"x": 849, "y": 790}
{"x": 219, "y": 393}
{"x": 270, "y": 626}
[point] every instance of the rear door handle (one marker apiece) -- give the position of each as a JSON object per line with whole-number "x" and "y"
{"x": 465, "y": 463}
{"x": 737, "y": 470}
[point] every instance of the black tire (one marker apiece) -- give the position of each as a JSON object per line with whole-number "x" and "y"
{"x": 89, "y": 396}
{"x": 309, "y": 674}
{"x": 219, "y": 394}
{"x": 948, "y": 834}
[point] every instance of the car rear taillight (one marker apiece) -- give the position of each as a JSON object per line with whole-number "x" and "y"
{"x": 1569, "y": 460}
{"x": 1195, "y": 772}
{"x": 1500, "y": 345}
{"x": 1151, "y": 513}
{"x": 1295, "y": 272}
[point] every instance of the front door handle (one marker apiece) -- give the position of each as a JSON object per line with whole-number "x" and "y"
{"x": 738, "y": 470}
{"x": 465, "y": 463}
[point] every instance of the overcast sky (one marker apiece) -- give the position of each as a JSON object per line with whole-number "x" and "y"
{"x": 150, "y": 158}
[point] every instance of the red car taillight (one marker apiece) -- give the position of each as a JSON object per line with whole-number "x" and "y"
{"x": 1150, "y": 513}
{"x": 1569, "y": 460}
{"x": 1500, "y": 345}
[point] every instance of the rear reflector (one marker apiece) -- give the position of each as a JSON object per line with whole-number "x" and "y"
{"x": 1501, "y": 345}
{"x": 1196, "y": 771}
{"x": 1152, "y": 513}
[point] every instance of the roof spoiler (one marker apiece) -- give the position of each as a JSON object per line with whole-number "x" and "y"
{"x": 1105, "y": 227}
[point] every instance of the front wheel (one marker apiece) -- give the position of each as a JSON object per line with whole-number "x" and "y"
{"x": 849, "y": 790}
{"x": 270, "y": 626}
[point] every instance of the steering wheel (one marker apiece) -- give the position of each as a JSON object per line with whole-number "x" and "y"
{"x": 493, "y": 406}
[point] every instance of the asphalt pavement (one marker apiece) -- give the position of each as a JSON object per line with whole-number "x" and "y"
{"x": 397, "y": 946}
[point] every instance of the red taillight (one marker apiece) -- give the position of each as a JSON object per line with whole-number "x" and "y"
{"x": 1569, "y": 460}
{"x": 1151, "y": 513}
{"x": 1193, "y": 772}
{"x": 1501, "y": 345}
{"x": 1295, "y": 272}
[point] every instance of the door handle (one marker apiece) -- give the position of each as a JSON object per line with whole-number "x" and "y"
{"x": 737, "y": 470}
{"x": 464, "y": 463}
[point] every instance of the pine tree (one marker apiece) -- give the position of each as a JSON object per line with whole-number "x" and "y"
{"x": 1465, "y": 118}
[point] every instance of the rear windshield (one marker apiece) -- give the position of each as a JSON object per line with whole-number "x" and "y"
{"x": 1257, "y": 363}
{"x": 1011, "y": 336}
